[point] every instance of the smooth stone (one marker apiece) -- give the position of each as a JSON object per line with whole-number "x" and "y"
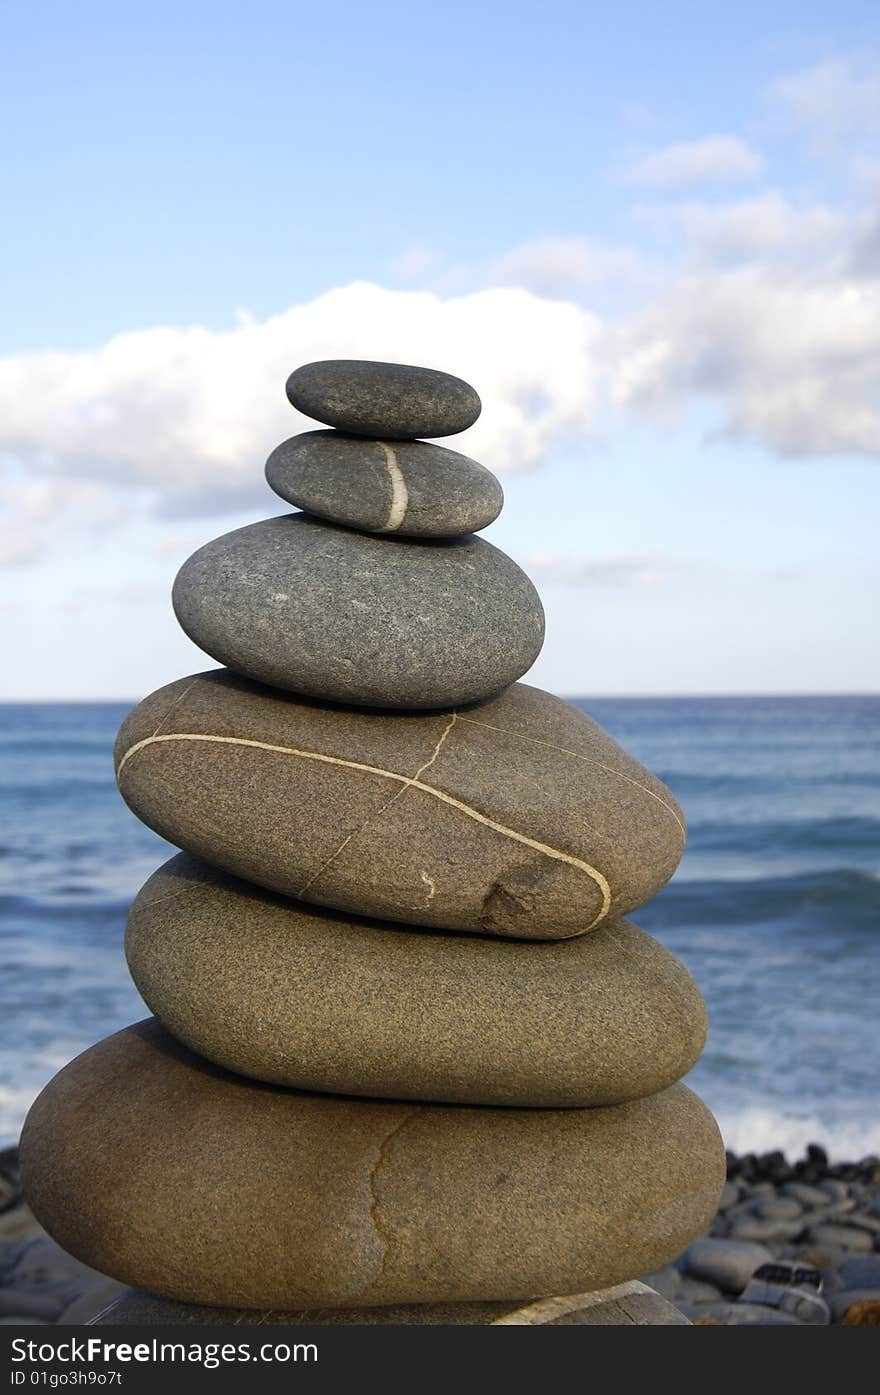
{"x": 371, "y": 398}
{"x": 386, "y": 622}
{"x": 778, "y": 1208}
{"x": 729, "y": 1264}
{"x": 744, "y": 1315}
{"x": 171, "y": 1175}
{"x": 408, "y": 488}
{"x": 729, "y": 1196}
{"x": 765, "y": 1231}
{"x": 838, "y": 1191}
{"x": 294, "y": 995}
{"x": 860, "y": 1271}
{"x": 680, "y": 1288}
{"x": 840, "y": 1303}
{"x": 39, "y": 1280}
{"x": 864, "y": 1222}
{"x": 631, "y": 1304}
{"x": 805, "y": 1194}
{"x": 843, "y": 1237}
{"x": 519, "y": 818}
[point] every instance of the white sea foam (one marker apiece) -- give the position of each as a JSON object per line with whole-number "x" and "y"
{"x": 14, "y": 1105}
{"x": 760, "y": 1129}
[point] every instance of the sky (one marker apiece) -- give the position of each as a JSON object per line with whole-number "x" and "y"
{"x": 649, "y": 236}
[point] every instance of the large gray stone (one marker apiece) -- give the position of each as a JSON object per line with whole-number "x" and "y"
{"x": 370, "y": 398}
{"x": 844, "y": 1237}
{"x": 385, "y": 622}
{"x": 743, "y": 1315}
{"x": 520, "y": 817}
{"x": 291, "y": 994}
{"x": 409, "y": 488}
{"x": 171, "y": 1175}
{"x": 841, "y": 1302}
{"x": 727, "y": 1263}
{"x": 860, "y": 1271}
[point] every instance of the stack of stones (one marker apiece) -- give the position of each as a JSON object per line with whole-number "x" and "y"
{"x": 405, "y": 1049}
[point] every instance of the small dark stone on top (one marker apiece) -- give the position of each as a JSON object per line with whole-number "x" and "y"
{"x": 394, "y": 401}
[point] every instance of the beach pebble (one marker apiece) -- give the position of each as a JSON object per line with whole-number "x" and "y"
{"x": 680, "y": 1288}
{"x": 296, "y": 995}
{"x": 841, "y": 1301}
{"x": 408, "y": 488}
{"x": 743, "y": 1315}
{"x": 754, "y": 1228}
{"x": 779, "y": 1208}
{"x": 10, "y": 1180}
{"x": 209, "y": 1188}
{"x": 843, "y": 1236}
{"x": 729, "y": 1196}
{"x": 804, "y": 1194}
{"x": 519, "y": 818}
{"x": 838, "y": 1192}
{"x": 329, "y": 613}
{"x": 40, "y": 1281}
{"x": 729, "y": 1264}
{"x": 860, "y": 1271}
{"x": 864, "y": 1222}
{"x": 371, "y": 398}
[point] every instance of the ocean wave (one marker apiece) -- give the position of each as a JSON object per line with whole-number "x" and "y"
{"x": 842, "y": 898}
{"x": 760, "y": 1129}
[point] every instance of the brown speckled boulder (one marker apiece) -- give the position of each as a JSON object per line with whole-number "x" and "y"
{"x": 297, "y": 995}
{"x": 518, "y": 817}
{"x": 205, "y": 1187}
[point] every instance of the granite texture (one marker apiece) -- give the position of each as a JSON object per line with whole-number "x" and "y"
{"x": 168, "y": 1174}
{"x": 291, "y": 994}
{"x": 320, "y": 610}
{"x": 370, "y": 398}
{"x": 626, "y": 1305}
{"x": 519, "y": 817}
{"x": 409, "y": 488}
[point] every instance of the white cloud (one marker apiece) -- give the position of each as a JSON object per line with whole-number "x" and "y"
{"x": 35, "y": 512}
{"x": 560, "y": 266}
{"x": 792, "y": 360}
{"x": 193, "y": 411}
{"x": 416, "y": 263}
{"x": 764, "y": 227}
{"x": 768, "y": 308}
{"x": 835, "y": 101}
{"x": 714, "y": 160}
{"x": 627, "y": 569}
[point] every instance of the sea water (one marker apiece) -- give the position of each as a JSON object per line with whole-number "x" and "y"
{"x": 775, "y": 908}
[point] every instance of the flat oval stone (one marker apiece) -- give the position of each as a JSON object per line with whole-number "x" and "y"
{"x": 520, "y": 817}
{"x": 315, "y": 609}
{"x": 410, "y": 488}
{"x": 166, "y": 1173}
{"x": 294, "y": 995}
{"x": 370, "y": 398}
{"x": 624, "y": 1305}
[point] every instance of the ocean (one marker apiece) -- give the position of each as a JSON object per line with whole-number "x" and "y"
{"x": 775, "y": 908}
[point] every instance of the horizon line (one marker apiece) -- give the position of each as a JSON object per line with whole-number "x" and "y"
{"x": 566, "y": 697}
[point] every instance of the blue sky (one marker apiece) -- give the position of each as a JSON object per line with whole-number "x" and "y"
{"x": 650, "y": 237}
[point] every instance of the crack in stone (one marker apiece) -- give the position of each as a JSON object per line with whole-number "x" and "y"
{"x": 375, "y": 1203}
{"x": 578, "y": 755}
{"x": 371, "y": 818}
{"x": 409, "y": 782}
